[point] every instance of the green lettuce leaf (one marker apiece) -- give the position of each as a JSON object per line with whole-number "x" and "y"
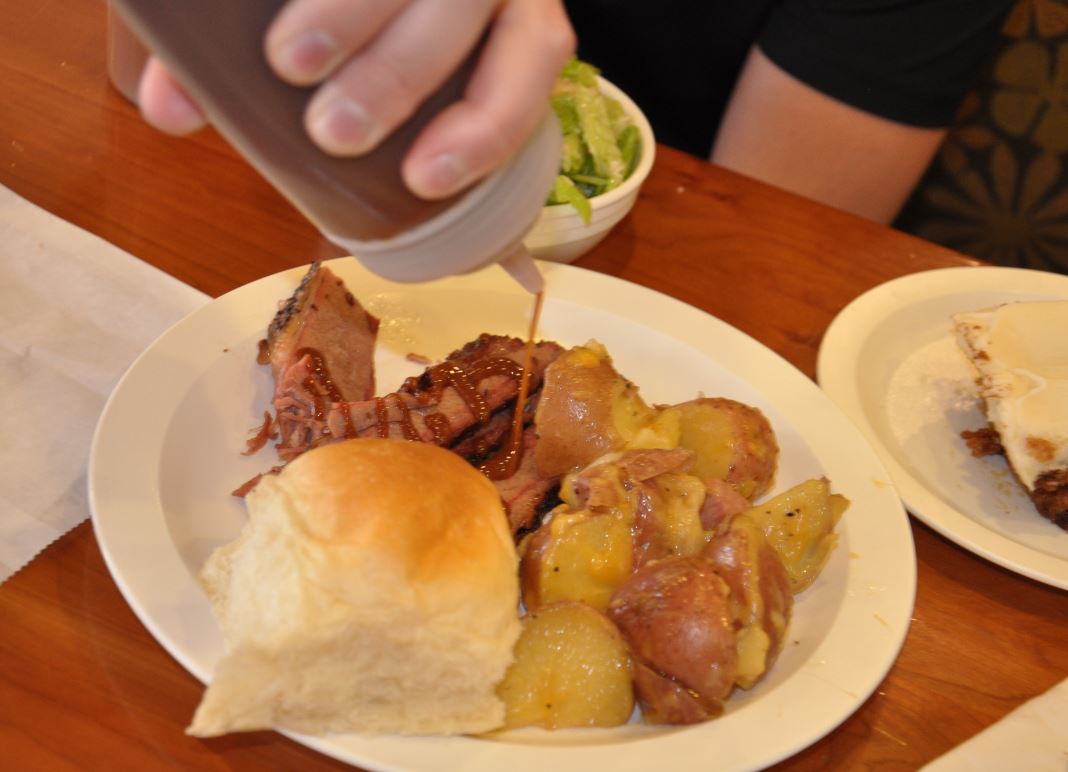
{"x": 630, "y": 147}
{"x": 580, "y": 72}
{"x": 599, "y": 136}
{"x": 566, "y": 192}
{"x": 601, "y": 145}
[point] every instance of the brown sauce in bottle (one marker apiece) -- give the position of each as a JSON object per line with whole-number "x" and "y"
{"x": 216, "y": 50}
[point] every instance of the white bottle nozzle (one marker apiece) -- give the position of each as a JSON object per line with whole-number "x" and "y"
{"x": 520, "y": 266}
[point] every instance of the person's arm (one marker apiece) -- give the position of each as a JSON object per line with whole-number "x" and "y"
{"x": 784, "y": 132}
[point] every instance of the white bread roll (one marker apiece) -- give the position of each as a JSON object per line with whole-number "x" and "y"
{"x": 374, "y": 589}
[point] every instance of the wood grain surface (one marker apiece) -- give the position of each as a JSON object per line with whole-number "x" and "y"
{"x": 84, "y": 686}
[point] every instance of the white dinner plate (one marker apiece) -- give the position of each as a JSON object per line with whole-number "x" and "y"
{"x": 891, "y": 362}
{"x": 167, "y": 453}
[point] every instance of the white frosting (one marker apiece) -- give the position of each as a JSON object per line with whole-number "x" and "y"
{"x": 1021, "y": 353}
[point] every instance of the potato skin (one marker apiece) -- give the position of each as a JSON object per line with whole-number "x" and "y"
{"x": 668, "y": 520}
{"x": 732, "y": 441}
{"x": 665, "y": 701}
{"x": 572, "y": 668}
{"x": 721, "y": 505}
{"x": 586, "y": 409}
{"x": 761, "y": 598}
{"x": 675, "y": 615}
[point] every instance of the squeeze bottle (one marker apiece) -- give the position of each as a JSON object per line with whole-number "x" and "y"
{"x": 361, "y": 204}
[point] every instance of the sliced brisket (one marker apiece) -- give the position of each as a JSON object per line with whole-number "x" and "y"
{"x": 322, "y": 316}
{"x": 320, "y": 346}
{"x": 527, "y": 496}
{"x": 444, "y": 404}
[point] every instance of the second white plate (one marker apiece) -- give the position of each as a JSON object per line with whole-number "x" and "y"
{"x": 891, "y": 362}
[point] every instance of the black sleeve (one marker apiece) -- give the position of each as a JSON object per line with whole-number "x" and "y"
{"x": 907, "y": 60}
{"x": 678, "y": 59}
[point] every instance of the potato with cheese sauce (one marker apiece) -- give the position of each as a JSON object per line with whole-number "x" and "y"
{"x": 658, "y": 530}
{"x": 572, "y": 668}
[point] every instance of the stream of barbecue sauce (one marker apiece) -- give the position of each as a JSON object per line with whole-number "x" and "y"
{"x": 501, "y": 465}
{"x": 504, "y": 463}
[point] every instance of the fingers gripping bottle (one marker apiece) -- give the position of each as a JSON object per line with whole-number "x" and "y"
{"x": 215, "y": 49}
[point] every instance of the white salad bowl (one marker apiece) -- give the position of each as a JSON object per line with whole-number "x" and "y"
{"x": 559, "y": 234}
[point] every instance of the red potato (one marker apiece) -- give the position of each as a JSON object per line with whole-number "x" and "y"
{"x": 666, "y": 701}
{"x": 732, "y": 441}
{"x": 667, "y": 518}
{"x": 675, "y": 614}
{"x": 649, "y": 544}
{"x": 586, "y": 409}
{"x": 721, "y": 505}
{"x": 615, "y": 516}
{"x": 761, "y": 598}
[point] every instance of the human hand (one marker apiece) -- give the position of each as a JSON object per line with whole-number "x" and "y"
{"x": 374, "y": 61}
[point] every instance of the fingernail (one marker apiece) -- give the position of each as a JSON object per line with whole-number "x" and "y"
{"x": 343, "y": 127}
{"x": 307, "y": 56}
{"x": 442, "y": 175}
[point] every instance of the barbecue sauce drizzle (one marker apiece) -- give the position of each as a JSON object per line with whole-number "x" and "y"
{"x": 500, "y": 465}
{"x": 504, "y": 463}
{"x": 465, "y": 381}
{"x": 382, "y": 418}
{"x": 263, "y": 352}
{"x": 318, "y": 382}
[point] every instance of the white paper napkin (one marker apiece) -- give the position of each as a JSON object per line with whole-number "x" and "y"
{"x": 1034, "y": 737}
{"x": 74, "y": 313}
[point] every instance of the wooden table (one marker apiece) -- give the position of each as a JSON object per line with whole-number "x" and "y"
{"x": 84, "y": 686}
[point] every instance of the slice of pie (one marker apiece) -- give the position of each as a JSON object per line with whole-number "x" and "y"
{"x": 1020, "y": 351}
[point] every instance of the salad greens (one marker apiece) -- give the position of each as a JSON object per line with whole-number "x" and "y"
{"x": 601, "y": 143}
